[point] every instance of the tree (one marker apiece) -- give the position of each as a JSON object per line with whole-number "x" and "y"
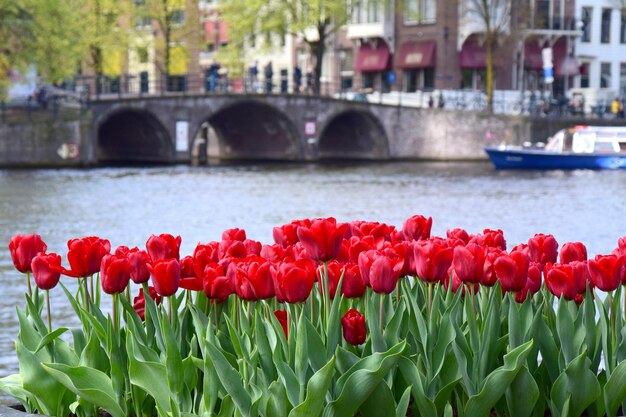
{"x": 103, "y": 38}
{"x": 16, "y": 34}
{"x": 177, "y": 23}
{"x": 313, "y": 21}
{"x": 494, "y": 17}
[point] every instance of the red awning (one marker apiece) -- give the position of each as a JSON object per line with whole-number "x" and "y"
{"x": 417, "y": 54}
{"x": 473, "y": 56}
{"x": 564, "y": 65}
{"x": 370, "y": 59}
{"x": 532, "y": 56}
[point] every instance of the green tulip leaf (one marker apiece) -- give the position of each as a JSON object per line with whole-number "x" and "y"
{"x": 379, "y": 403}
{"x": 277, "y": 404}
{"x": 362, "y": 379}
{"x": 333, "y": 327}
{"x": 88, "y": 383}
{"x": 412, "y": 375}
{"x": 227, "y": 408}
{"x": 289, "y": 380}
{"x": 148, "y": 376}
{"x": 14, "y": 386}
{"x": 403, "y": 404}
{"x": 50, "y": 337}
{"x": 316, "y": 390}
{"x": 231, "y": 380}
{"x": 496, "y": 383}
{"x": 615, "y": 389}
{"x": 578, "y": 385}
{"x": 522, "y": 394}
{"x": 316, "y": 350}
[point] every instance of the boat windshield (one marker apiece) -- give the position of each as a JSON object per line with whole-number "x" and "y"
{"x": 559, "y": 141}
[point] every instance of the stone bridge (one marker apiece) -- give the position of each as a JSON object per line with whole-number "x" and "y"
{"x": 164, "y": 129}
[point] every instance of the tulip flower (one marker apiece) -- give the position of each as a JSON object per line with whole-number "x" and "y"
{"x": 606, "y": 271}
{"x": 454, "y": 283}
{"x": 458, "y": 234}
{"x": 432, "y": 259}
{"x": 533, "y": 283}
{"x": 23, "y": 249}
{"x": 489, "y": 273}
{"x": 203, "y": 255}
{"x": 281, "y": 316}
{"x": 285, "y": 235}
{"x": 215, "y": 283}
{"x": 322, "y": 240}
{"x": 121, "y": 251}
{"x": 417, "y": 227}
{"x": 139, "y": 302}
{"x": 378, "y": 231}
{"x": 334, "y": 269}
{"x": 378, "y": 270}
{"x": 252, "y": 278}
{"x": 469, "y": 262}
{"x": 45, "y": 276}
{"x": 561, "y": 280}
{"x": 354, "y": 330}
{"x": 85, "y": 256}
{"x": 165, "y": 276}
{"x": 583, "y": 277}
{"x": 163, "y": 246}
{"x": 272, "y": 253}
{"x": 357, "y": 245}
{"x": 572, "y": 251}
{"x": 139, "y": 260}
{"x": 490, "y": 238}
{"x": 293, "y": 281}
{"x": 543, "y": 248}
{"x": 512, "y": 271}
{"x": 353, "y": 285}
{"x": 114, "y": 273}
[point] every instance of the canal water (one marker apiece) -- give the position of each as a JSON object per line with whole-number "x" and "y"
{"x": 126, "y": 205}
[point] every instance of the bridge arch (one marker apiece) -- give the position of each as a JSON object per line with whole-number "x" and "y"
{"x": 133, "y": 135}
{"x": 353, "y": 134}
{"x": 251, "y": 129}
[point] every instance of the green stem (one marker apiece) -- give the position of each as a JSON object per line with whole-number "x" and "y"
{"x": 381, "y": 312}
{"x": 86, "y": 294}
{"x": 326, "y": 293}
{"x": 91, "y": 291}
{"x": 48, "y": 310}
{"x": 169, "y": 308}
{"x": 30, "y": 290}
{"x": 115, "y": 312}
{"x": 430, "y": 298}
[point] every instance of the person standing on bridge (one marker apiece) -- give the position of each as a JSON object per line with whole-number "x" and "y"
{"x": 269, "y": 73}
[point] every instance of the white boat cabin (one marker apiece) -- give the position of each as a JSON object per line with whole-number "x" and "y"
{"x": 589, "y": 139}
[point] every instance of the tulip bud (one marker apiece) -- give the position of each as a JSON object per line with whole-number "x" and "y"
{"x": 46, "y": 277}
{"x": 23, "y": 249}
{"x": 354, "y": 330}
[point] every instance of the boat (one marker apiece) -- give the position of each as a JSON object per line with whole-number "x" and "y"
{"x": 578, "y": 147}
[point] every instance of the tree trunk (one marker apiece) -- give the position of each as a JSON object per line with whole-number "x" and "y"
{"x": 317, "y": 51}
{"x": 489, "y": 45}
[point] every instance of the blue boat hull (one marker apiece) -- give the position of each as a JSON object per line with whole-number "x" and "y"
{"x": 541, "y": 159}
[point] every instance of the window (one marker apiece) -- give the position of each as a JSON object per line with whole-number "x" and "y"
{"x": 584, "y": 75}
{"x": 605, "y": 33}
{"x": 586, "y": 21}
{"x": 605, "y": 75}
{"x": 422, "y": 79}
{"x": 420, "y": 11}
{"x": 367, "y": 11}
{"x": 622, "y": 30}
{"x": 622, "y": 79}
{"x": 142, "y": 55}
{"x": 177, "y": 17}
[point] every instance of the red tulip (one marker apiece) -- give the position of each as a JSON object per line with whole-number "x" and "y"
{"x": 354, "y": 330}
{"x": 46, "y": 277}
{"x": 121, "y": 251}
{"x": 469, "y": 262}
{"x": 491, "y": 238}
{"x": 234, "y": 234}
{"x": 512, "y": 271}
{"x": 606, "y": 271}
{"x": 285, "y": 235}
{"x": 216, "y": 285}
{"x": 23, "y": 249}
{"x": 533, "y": 283}
{"x": 281, "y": 316}
{"x": 353, "y": 285}
{"x": 543, "y": 248}
{"x": 203, "y": 255}
{"x": 378, "y": 269}
{"x": 432, "y": 259}
{"x": 454, "y": 280}
{"x": 139, "y": 302}
{"x": 322, "y": 240}
{"x": 561, "y": 280}
{"x": 114, "y": 273}
{"x": 572, "y": 251}
{"x": 139, "y": 260}
{"x": 583, "y": 277}
{"x": 334, "y": 269}
{"x": 417, "y": 227}
{"x": 251, "y": 278}
{"x": 85, "y": 256}
{"x": 378, "y": 231}
{"x": 272, "y": 253}
{"x": 165, "y": 276}
{"x": 489, "y": 273}
{"x": 163, "y": 246}
{"x": 293, "y": 281}
{"x": 357, "y": 245}
{"x": 232, "y": 249}
{"x": 458, "y": 234}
